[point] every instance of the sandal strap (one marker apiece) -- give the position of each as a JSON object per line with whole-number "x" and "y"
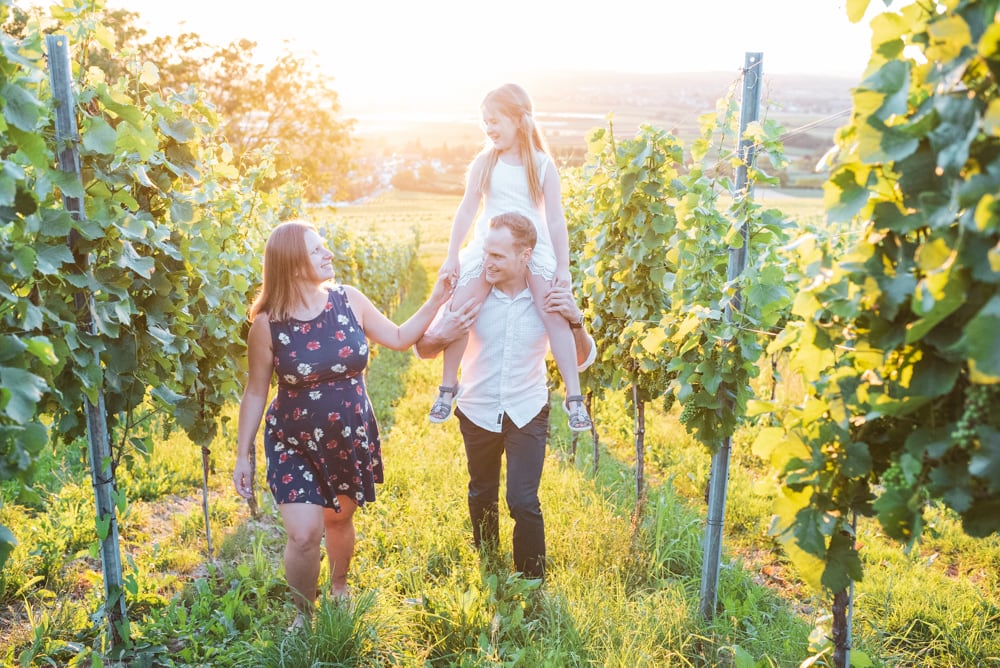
{"x": 575, "y": 397}
{"x": 450, "y": 389}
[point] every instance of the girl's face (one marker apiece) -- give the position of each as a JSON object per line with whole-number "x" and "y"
{"x": 319, "y": 256}
{"x": 501, "y": 129}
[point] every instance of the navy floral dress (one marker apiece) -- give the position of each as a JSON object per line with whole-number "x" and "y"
{"x": 320, "y": 434}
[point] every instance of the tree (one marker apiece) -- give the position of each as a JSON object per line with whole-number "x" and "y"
{"x": 289, "y": 103}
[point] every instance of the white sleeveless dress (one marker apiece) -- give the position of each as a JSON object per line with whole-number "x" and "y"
{"x": 508, "y": 193}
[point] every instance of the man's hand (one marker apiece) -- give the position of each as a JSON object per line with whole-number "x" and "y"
{"x": 451, "y": 325}
{"x": 559, "y": 299}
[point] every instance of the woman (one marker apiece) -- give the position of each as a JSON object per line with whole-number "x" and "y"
{"x": 320, "y": 438}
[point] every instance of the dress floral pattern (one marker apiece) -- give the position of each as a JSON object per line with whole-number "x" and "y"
{"x": 320, "y": 434}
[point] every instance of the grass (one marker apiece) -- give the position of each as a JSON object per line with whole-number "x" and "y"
{"x": 619, "y": 593}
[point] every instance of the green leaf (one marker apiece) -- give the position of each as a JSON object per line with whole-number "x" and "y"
{"x": 7, "y": 544}
{"x": 52, "y": 257}
{"x": 69, "y": 183}
{"x": 842, "y": 563}
{"x": 843, "y": 195}
{"x": 857, "y": 461}
{"x": 982, "y": 519}
{"x": 933, "y": 376}
{"x": 948, "y": 36}
{"x": 33, "y": 146}
{"x": 856, "y": 9}
{"x": 21, "y": 109}
{"x": 130, "y": 259}
{"x": 11, "y": 346}
{"x": 98, "y": 136}
{"x": 937, "y": 296}
{"x": 20, "y": 394}
{"x": 898, "y": 512}
{"x": 954, "y": 134}
{"x": 985, "y": 461}
{"x": 181, "y": 130}
{"x": 103, "y": 525}
{"x": 42, "y": 349}
{"x": 808, "y": 531}
{"x": 24, "y": 261}
{"x": 33, "y": 437}
{"x": 141, "y": 141}
{"x": 981, "y": 343}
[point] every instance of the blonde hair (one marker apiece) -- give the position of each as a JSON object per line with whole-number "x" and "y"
{"x": 512, "y": 101}
{"x": 286, "y": 263}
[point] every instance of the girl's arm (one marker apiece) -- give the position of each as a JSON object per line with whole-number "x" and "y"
{"x": 381, "y": 330}
{"x": 260, "y": 359}
{"x": 465, "y": 214}
{"x": 556, "y": 221}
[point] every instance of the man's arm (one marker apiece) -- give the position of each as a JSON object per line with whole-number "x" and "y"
{"x": 450, "y": 325}
{"x": 560, "y": 300}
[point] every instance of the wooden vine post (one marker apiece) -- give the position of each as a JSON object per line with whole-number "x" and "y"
{"x": 719, "y": 475}
{"x": 102, "y": 474}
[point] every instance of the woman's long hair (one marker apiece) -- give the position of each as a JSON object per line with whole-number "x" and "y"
{"x": 286, "y": 263}
{"x": 512, "y": 101}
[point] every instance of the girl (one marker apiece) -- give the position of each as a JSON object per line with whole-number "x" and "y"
{"x": 320, "y": 437}
{"x": 513, "y": 174}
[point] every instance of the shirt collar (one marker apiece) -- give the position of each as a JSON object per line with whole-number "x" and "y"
{"x": 501, "y": 295}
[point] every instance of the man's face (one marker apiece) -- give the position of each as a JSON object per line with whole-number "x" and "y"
{"x": 503, "y": 262}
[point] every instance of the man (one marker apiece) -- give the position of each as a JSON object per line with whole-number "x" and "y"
{"x": 503, "y": 406}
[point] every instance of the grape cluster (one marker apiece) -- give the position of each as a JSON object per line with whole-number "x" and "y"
{"x": 688, "y": 413}
{"x": 893, "y": 477}
{"x": 166, "y": 427}
{"x": 978, "y": 400}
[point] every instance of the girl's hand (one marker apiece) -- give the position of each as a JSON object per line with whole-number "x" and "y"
{"x": 442, "y": 290}
{"x": 451, "y": 269}
{"x": 562, "y": 278}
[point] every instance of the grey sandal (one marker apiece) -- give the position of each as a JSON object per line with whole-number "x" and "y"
{"x": 441, "y": 410}
{"x": 579, "y": 420}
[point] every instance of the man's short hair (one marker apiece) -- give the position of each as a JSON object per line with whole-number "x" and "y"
{"x": 521, "y": 229}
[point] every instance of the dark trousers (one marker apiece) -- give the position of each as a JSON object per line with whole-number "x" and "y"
{"x": 525, "y": 450}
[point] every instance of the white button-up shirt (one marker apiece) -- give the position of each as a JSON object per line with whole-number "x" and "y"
{"x": 503, "y": 370}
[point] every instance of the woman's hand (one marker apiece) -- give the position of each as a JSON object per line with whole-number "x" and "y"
{"x": 243, "y": 478}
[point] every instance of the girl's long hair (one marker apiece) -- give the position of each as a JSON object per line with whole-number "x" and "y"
{"x": 513, "y": 102}
{"x": 286, "y": 263}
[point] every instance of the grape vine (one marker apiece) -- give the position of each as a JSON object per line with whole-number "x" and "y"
{"x": 896, "y": 335}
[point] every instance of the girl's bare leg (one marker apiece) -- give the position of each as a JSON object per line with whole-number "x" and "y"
{"x": 452, "y": 354}
{"x": 563, "y": 348}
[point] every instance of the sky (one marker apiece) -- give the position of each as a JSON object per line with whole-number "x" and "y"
{"x": 412, "y": 52}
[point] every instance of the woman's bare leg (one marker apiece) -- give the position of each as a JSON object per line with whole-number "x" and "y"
{"x": 304, "y": 529}
{"x": 340, "y": 543}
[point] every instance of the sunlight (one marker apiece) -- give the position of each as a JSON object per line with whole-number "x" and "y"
{"x": 398, "y": 55}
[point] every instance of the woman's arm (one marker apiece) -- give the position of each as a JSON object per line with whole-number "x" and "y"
{"x": 451, "y": 325}
{"x": 260, "y": 358}
{"x": 382, "y": 330}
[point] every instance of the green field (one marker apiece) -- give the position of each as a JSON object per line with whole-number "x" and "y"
{"x": 621, "y": 593}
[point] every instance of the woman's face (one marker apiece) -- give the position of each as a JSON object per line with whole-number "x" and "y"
{"x": 501, "y": 129}
{"x": 320, "y": 258}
